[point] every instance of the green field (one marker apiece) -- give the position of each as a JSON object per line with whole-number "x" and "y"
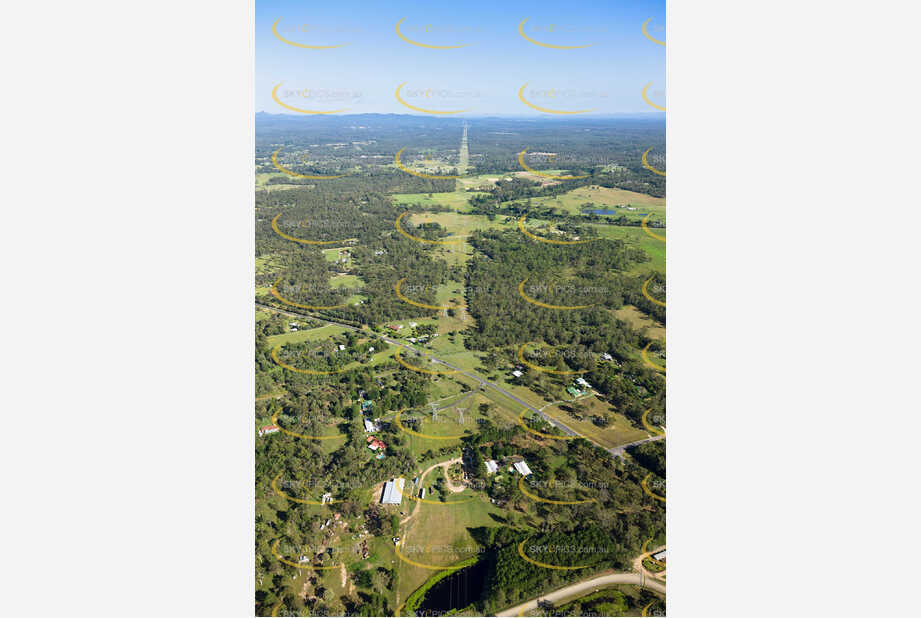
{"x": 606, "y": 198}
{"x": 313, "y": 334}
{"x": 640, "y": 321}
{"x": 619, "y": 431}
{"x": 440, "y": 534}
{"x": 457, "y": 200}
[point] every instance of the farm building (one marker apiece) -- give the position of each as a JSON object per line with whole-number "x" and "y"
{"x": 522, "y": 468}
{"x": 268, "y": 429}
{"x": 393, "y": 492}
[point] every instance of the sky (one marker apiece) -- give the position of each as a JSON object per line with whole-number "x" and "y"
{"x": 366, "y": 60}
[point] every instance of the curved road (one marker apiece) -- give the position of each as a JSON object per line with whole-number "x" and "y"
{"x": 585, "y": 587}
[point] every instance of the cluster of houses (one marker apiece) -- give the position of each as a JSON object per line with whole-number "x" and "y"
{"x": 517, "y": 464}
{"x": 518, "y": 371}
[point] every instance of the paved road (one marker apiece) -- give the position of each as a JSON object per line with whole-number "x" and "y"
{"x": 617, "y": 451}
{"x": 585, "y": 587}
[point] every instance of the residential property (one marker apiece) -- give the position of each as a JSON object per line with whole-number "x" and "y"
{"x": 369, "y": 426}
{"x": 422, "y": 493}
{"x": 268, "y": 429}
{"x": 522, "y": 468}
{"x": 517, "y": 373}
{"x": 607, "y": 357}
{"x": 582, "y": 382}
{"x": 393, "y": 491}
{"x": 659, "y": 555}
{"x": 341, "y": 347}
{"x": 395, "y": 326}
{"x": 375, "y": 445}
{"x": 327, "y": 497}
{"x": 491, "y": 466}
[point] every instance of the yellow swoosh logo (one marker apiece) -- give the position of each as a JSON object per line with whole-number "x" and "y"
{"x": 292, "y": 498}
{"x": 539, "y": 499}
{"x": 279, "y": 167}
{"x": 301, "y": 240}
{"x": 301, "y": 435}
{"x": 412, "y": 302}
{"x": 527, "y": 233}
{"x": 421, "y": 109}
{"x": 649, "y": 363}
{"x": 547, "y": 110}
{"x": 300, "y": 566}
{"x": 646, "y": 291}
{"x": 284, "y": 40}
{"x": 545, "y": 305}
{"x": 649, "y": 36}
{"x": 646, "y": 98}
{"x": 534, "y": 171}
{"x": 657, "y": 237}
{"x": 649, "y": 427}
{"x": 399, "y": 163}
{"x": 400, "y": 555}
{"x": 418, "y": 44}
{"x": 649, "y": 167}
{"x": 297, "y": 109}
{"x": 544, "y": 564}
{"x": 647, "y": 490}
{"x": 540, "y": 433}
{"x": 539, "y": 368}
{"x": 649, "y": 557}
{"x": 399, "y": 358}
{"x": 295, "y": 369}
{"x": 277, "y": 295}
{"x": 399, "y": 423}
{"x": 536, "y": 42}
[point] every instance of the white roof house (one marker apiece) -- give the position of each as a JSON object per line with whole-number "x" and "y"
{"x": 522, "y": 468}
{"x": 369, "y": 426}
{"x": 659, "y": 555}
{"x": 341, "y": 347}
{"x": 393, "y": 492}
{"x": 491, "y": 466}
{"x": 607, "y": 357}
{"x": 517, "y": 373}
{"x": 583, "y": 382}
